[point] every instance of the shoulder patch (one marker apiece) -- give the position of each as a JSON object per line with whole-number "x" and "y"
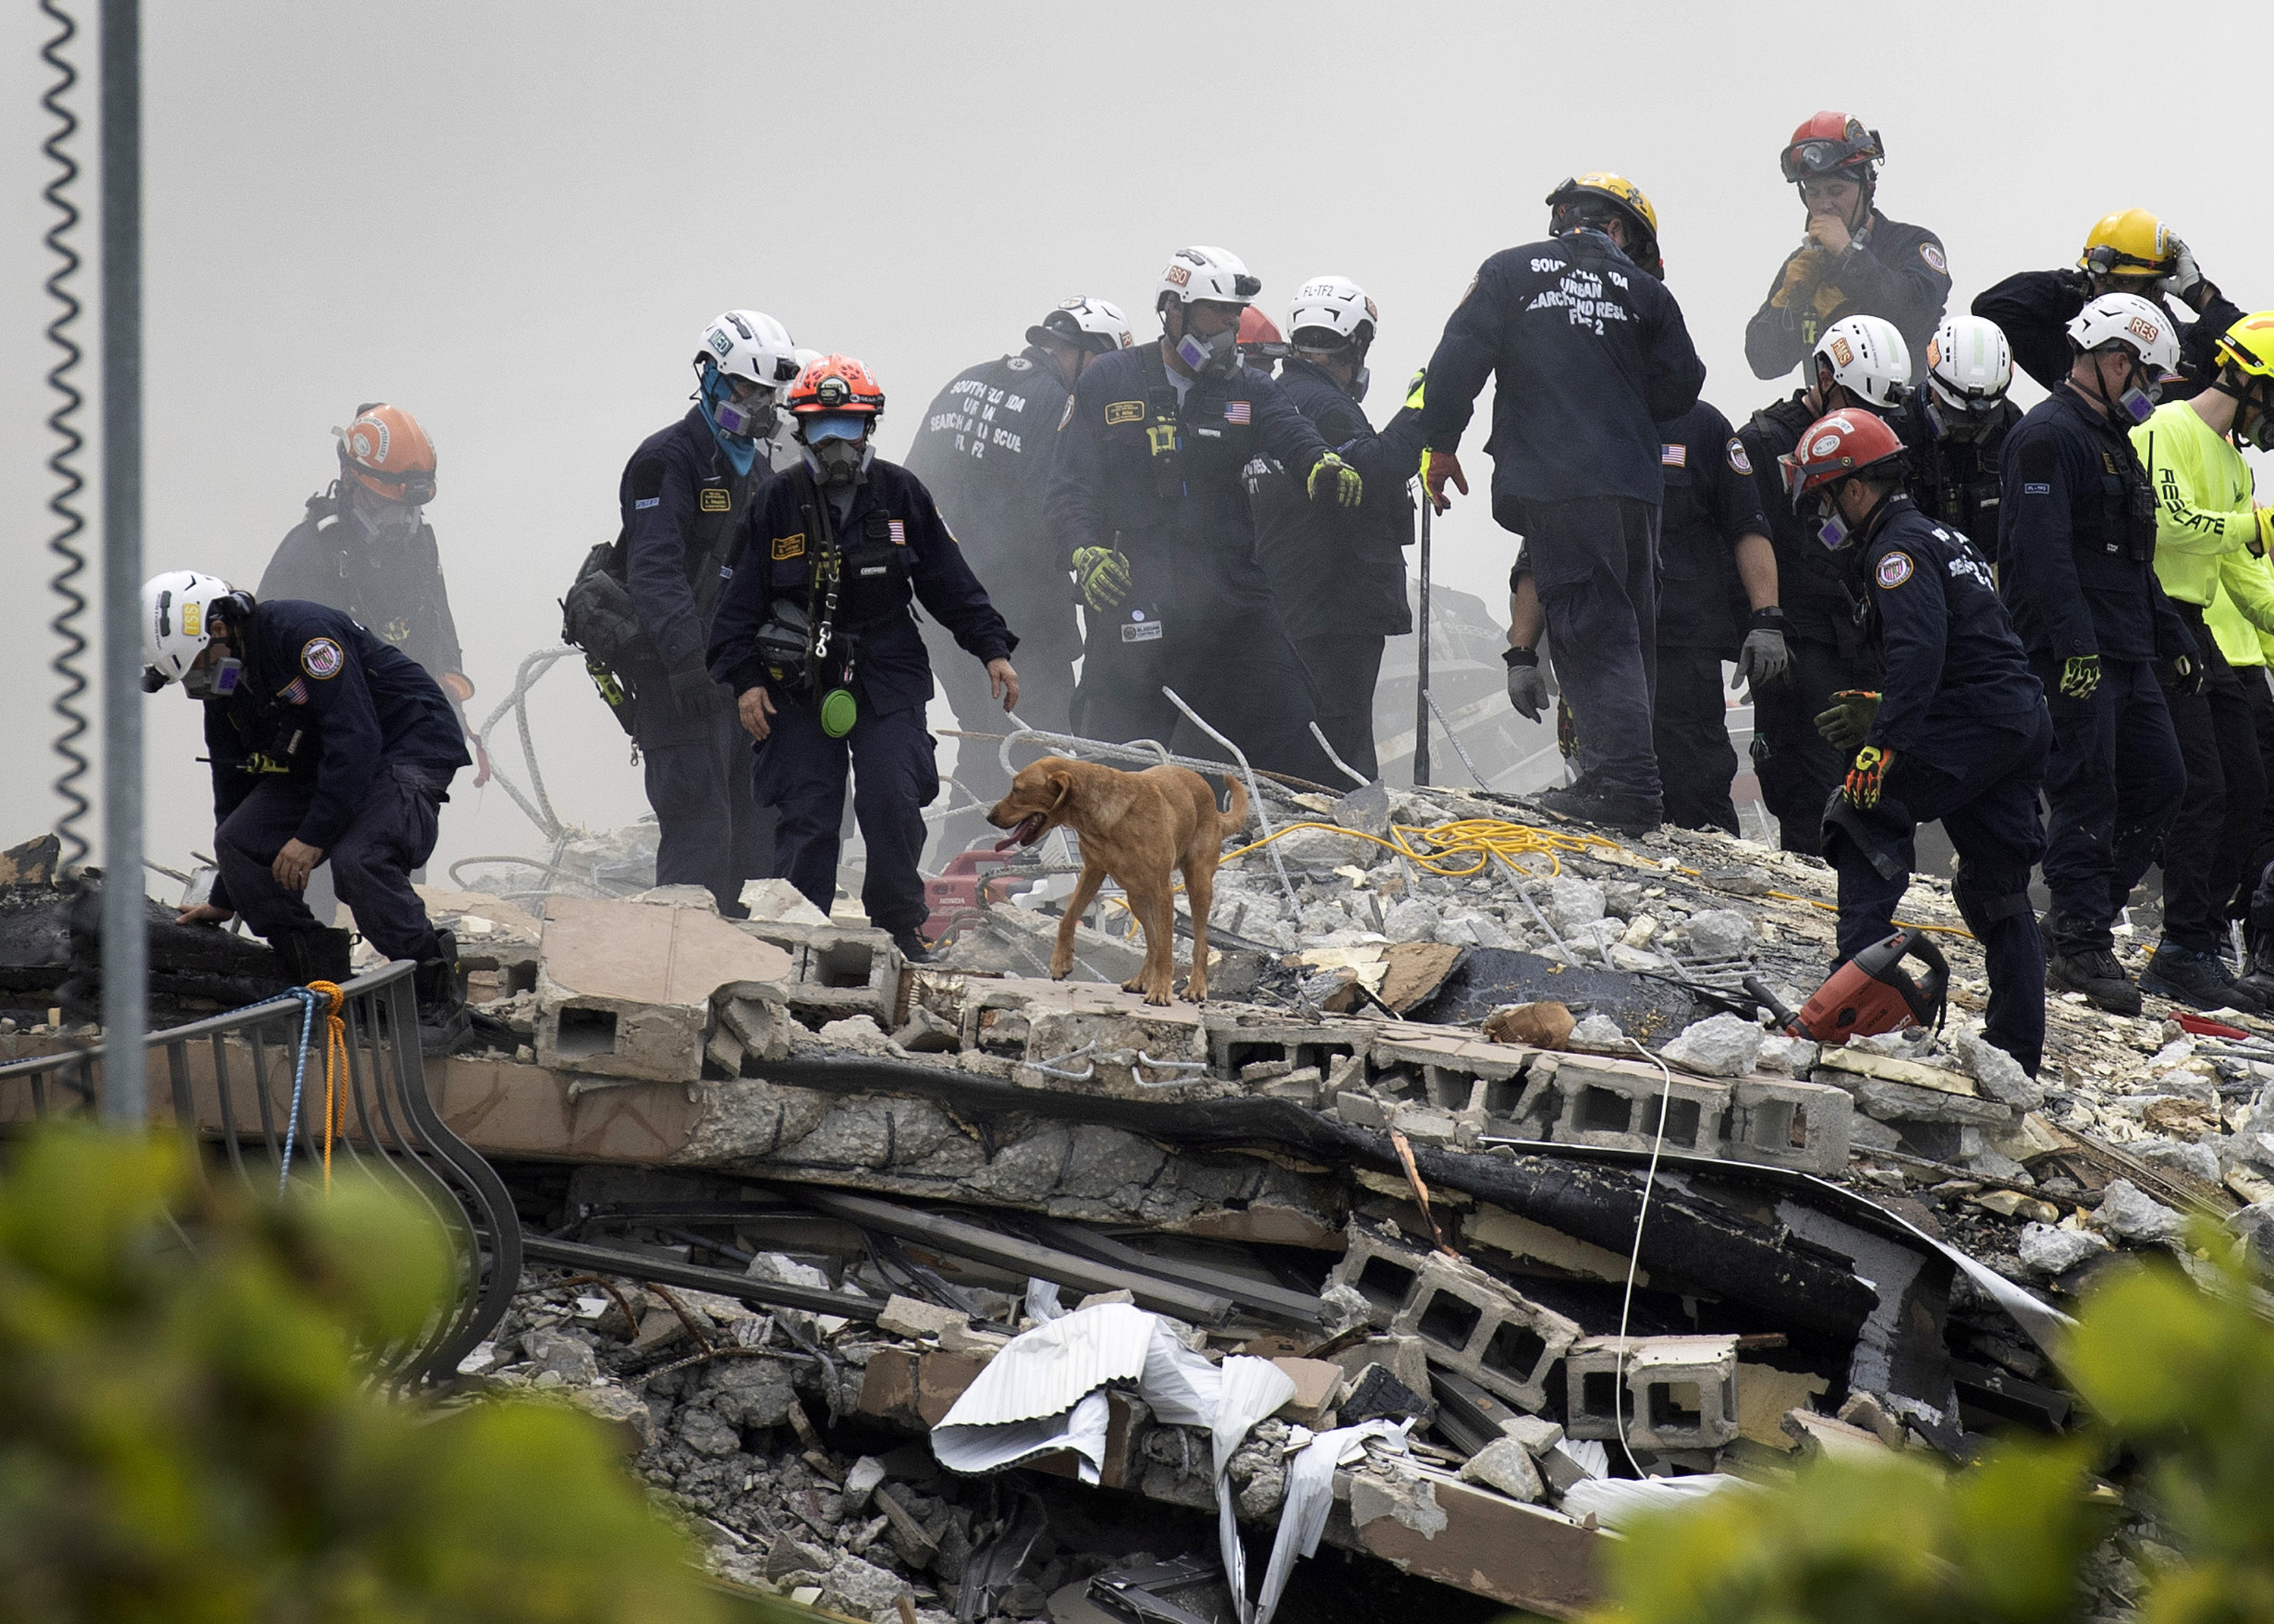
{"x": 1893, "y": 569}
{"x": 1019, "y": 363}
{"x": 1931, "y": 253}
{"x": 1067, "y": 416}
{"x": 715, "y": 500}
{"x": 899, "y": 533}
{"x": 322, "y": 658}
{"x": 1124, "y": 412}
{"x": 1674, "y": 456}
{"x": 790, "y": 546}
{"x": 1739, "y": 463}
{"x": 295, "y": 692}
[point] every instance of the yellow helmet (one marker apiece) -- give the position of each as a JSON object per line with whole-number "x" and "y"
{"x": 1624, "y": 197}
{"x": 2249, "y": 345}
{"x": 2130, "y": 242}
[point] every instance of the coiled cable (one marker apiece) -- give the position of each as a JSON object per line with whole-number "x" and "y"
{"x": 63, "y": 463}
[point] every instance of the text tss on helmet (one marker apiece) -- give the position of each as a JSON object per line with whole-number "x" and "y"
{"x": 177, "y": 624}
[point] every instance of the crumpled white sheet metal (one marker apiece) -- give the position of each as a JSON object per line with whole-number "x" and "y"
{"x": 1618, "y": 1501}
{"x": 1310, "y": 1497}
{"x": 1046, "y": 1391}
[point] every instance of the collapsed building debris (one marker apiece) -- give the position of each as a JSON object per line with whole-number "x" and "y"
{"x": 1340, "y": 1285}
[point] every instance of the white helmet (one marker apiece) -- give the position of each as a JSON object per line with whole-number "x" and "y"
{"x": 1085, "y": 323}
{"x": 176, "y": 623}
{"x": 1868, "y": 358}
{"x": 1968, "y": 363}
{"x": 1205, "y": 273}
{"x": 748, "y": 343}
{"x": 1337, "y": 304}
{"x": 2127, "y": 319}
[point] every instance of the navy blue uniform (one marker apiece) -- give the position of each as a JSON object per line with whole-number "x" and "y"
{"x": 1160, "y": 477}
{"x": 1824, "y": 631}
{"x": 2034, "y": 308}
{"x": 2077, "y": 548}
{"x": 1966, "y": 723}
{"x": 1589, "y": 355}
{"x": 1338, "y": 574}
{"x": 1955, "y": 477}
{"x": 393, "y": 586}
{"x": 340, "y": 740}
{"x": 1891, "y": 270}
{"x": 983, "y": 451}
{"x": 1711, "y": 504}
{"x": 890, "y": 547}
{"x": 683, "y": 508}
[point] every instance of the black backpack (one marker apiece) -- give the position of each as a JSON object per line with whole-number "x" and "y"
{"x": 597, "y": 617}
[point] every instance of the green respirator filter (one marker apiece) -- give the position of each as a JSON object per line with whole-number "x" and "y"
{"x": 838, "y": 712}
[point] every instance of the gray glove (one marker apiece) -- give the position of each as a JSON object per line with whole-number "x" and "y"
{"x": 2186, "y": 276}
{"x": 1764, "y": 657}
{"x": 1528, "y": 685}
{"x": 693, "y": 692}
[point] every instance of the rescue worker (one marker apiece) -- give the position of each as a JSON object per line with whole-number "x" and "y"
{"x": 1717, "y": 601}
{"x": 1338, "y": 574}
{"x": 1589, "y": 354}
{"x": 1148, "y": 495}
{"x": 329, "y": 747}
{"x": 2129, "y": 252}
{"x": 2203, "y": 520}
{"x": 1261, "y": 345}
{"x": 1852, "y": 260}
{"x": 815, "y": 640}
{"x": 1860, "y": 365}
{"x": 983, "y": 451}
{"x": 1957, "y": 730}
{"x": 2076, "y": 547}
{"x": 1954, "y": 428}
{"x": 686, "y": 498}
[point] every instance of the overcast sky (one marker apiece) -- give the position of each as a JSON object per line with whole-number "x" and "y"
{"x": 513, "y": 221}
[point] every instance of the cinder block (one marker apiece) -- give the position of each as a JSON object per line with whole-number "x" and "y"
{"x": 1380, "y": 1268}
{"x": 1473, "y": 1325}
{"x": 1455, "y": 1075}
{"x": 838, "y": 971}
{"x": 1788, "y": 1124}
{"x": 1233, "y": 1047}
{"x": 1618, "y": 1107}
{"x": 1681, "y": 1391}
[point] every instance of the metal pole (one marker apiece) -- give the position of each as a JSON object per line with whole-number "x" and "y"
{"x": 1422, "y": 672}
{"x": 125, "y": 942}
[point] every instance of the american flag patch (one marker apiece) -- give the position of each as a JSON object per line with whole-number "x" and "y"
{"x": 899, "y": 534}
{"x": 295, "y": 692}
{"x": 1674, "y": 456}
{"x": 1235, "y": 411}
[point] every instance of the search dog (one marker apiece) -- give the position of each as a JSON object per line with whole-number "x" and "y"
{"x": 1135, "y": 827}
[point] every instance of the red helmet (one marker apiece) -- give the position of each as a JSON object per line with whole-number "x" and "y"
{"x": 1832, "y": 144}
{"x": 1258, "y": 335}
{"x": 835, "y": 383}
{"x": 1832, "y": 447}
{"x": 385, "y": 451}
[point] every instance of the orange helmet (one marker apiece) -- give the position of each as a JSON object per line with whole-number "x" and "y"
{"x": 836, "y": 383}
{"x": 389, "y": 454}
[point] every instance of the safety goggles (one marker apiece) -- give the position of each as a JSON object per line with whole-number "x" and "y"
{"x": 412, "y": 490}
{"x": 833, "y": 425}
{"x": 1807, "y": 160}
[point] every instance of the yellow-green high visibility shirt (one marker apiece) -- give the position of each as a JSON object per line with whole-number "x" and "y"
{"x": 2241, "y": 616}
{"x": 2202, "y": 499}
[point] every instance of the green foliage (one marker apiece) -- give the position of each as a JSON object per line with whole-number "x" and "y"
{"x": 185, "y": 1434}
{"x": 2179, "y": 1384}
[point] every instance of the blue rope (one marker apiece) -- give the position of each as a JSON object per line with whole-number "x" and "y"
{"x": 308, "y": 997}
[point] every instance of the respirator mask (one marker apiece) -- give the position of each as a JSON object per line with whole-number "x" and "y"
{"x": 217, "y": 681}
{"x": 837, "y": 447}
{"x": 1210, "y": 357}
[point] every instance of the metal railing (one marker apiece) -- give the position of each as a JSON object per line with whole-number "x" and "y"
{"x": 231, "y": 1082}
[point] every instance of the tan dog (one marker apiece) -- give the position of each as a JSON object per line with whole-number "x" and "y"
{"x": 1136, "y": 827}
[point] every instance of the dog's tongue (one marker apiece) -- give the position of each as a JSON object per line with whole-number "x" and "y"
{"x": 1028, "y": 832}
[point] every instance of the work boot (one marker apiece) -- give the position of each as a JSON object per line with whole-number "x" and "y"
{"x": 2187, "y": 976}
{"x": 913, "y": 947}
{"x": 2094, "y": 973}
{"x": 320, "y": 955}
{"x": 1630, "y": 815}
{"x": 444, "y": 1021}
{"x": 2257, "y": 978}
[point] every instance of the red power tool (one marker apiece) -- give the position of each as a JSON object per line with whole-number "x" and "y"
{"x": 1870, "y": 993}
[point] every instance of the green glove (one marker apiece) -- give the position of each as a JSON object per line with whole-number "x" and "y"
{"x": 1102, "y": 574}
{"x": 1413, "y": 388}
{"x": 1845, "y": 725}
{"x": 2080, "y": 675}
{"x": 1349, "y": 489}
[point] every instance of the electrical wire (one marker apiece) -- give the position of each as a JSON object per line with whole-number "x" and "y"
{"x": 66, "y": 625}
{"x": 1634, "y": 1258}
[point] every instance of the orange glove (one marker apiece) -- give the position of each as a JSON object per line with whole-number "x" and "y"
{"x": 1800, "y": 273}
{"x": 1868, "y": 777}
{"x": 1437, "y": 466}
